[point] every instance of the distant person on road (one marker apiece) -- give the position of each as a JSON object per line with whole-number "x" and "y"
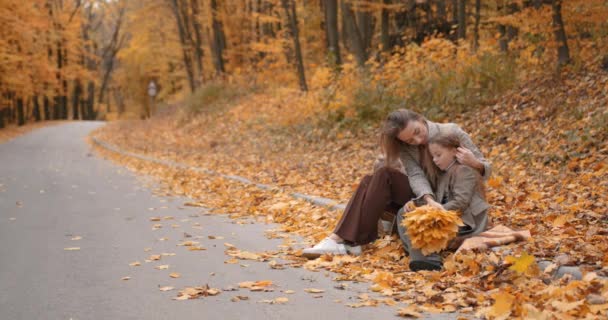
{"x": 398, "y": 178}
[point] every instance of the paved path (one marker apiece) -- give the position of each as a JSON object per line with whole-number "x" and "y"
{"x": 53, "y": 189}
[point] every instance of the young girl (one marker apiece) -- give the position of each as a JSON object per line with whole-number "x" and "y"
{"x": 457, "y": 187}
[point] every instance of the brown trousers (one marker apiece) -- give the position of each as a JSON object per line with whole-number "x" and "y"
{"x": 386, "y": 190}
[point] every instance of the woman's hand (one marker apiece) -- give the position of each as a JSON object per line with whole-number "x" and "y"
{"x": 409, "y": 206}
{"x": 466, "y": 157}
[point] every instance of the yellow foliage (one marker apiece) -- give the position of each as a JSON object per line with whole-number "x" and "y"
{"x": 520, "y": 264}
{"x": 430, "y": 229}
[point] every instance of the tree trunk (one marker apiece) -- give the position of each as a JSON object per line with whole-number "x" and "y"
{"x": 20, "y": 113}
{"x": 345, "y": 35}
{"x": 198, "y": 39}
{"x": 293, "y": 24}
{"x": 185, "y": 45}
{"x": 356, "y": 40}
{"x": 64, "y": 93}
{"x": 411, "y": 17}
{"x": 46, "y": 107}
{"x": 56, "y": 107}
{"x": 58, "y": 97}
{"x": 455, "y": 12}
{"x": 105, "y": 79}
{"x": 503, "y": 43}
{"x": 218, "y": 44}
{"x": 2, "y": 125}
{"x": 91, "y": 101}
{"x": 563, "y": 53}
{"x": 83, "y": 107}
{"x": 64, "y": 99}
{"x": 462, "y": 19}
{"x": 476, "y": 28}
{"x": 76, "y": 99}
{"x": 384, "y": 27}
{"x": 365, "y": 23}
{"x": 508, "y": 32}
{"x": 331, "y": 29}
{"x": 36, "y": 111}
{"x": 441, "y": 10}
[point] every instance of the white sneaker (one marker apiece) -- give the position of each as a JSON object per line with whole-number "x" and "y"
{"x": 326, "y": 246}
{"x": 354, "y": 250}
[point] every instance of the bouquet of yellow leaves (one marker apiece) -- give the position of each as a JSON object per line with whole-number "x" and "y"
{"x": 430, "y": 229}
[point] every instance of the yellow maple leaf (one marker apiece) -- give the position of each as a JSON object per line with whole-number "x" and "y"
{"x": 520, "y": 264}
{"x": 501, "y": 309}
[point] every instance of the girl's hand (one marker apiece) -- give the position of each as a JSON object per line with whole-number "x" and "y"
{"x": 434, "y": 203}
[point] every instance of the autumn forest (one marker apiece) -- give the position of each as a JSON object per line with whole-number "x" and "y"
{"x": 252, "y": 108}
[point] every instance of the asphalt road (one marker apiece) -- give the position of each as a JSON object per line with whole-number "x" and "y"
{"x": 55, "y": 193}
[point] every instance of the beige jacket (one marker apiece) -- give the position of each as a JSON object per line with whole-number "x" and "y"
{"x": 460, "y": 187}
{"x": 411, "y": 157}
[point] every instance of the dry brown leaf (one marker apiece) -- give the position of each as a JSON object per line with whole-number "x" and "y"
{"x": 312, "y": 290}
{"x": 174, "y": 275}
{"x": 410, "y": 311}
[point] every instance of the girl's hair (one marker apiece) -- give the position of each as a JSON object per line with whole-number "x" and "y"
{"x": 446, "y": 140}
{"x": 395, "y": 123}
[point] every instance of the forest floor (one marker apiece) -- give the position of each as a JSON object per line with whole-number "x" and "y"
{"x": 548, "y": 144}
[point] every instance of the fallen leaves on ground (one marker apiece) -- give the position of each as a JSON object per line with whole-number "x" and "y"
{"x": 279, "y": 300}
{"x": 262, "y": 285}
{"x": 548, "y": 146}
{"x": 313, "y": 290}
{"x": 196, "y": 292}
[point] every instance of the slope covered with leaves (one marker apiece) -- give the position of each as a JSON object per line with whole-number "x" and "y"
{"x": 546, "y": 141}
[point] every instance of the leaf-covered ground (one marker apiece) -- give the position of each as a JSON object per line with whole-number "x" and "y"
{"x": 547, "y": 142}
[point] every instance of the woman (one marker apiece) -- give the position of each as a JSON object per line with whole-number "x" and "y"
{"x": 404, "y": 140}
